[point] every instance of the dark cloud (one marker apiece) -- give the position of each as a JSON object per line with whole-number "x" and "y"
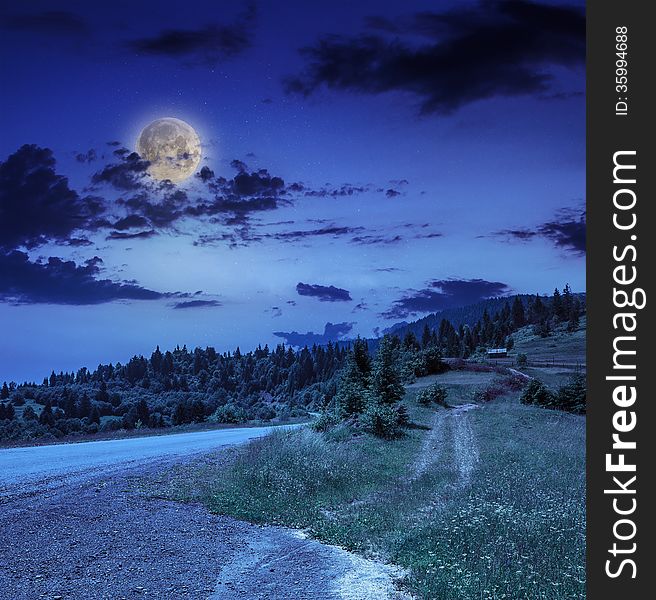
{"x": 208, "y": 45}
{"x": 450, "y": 59}
{"x": 128, "y": 174}
{"x": 55, "y": 22}
{"x": 86, "y": 157}
{"x": 324, "y": 293}
{"x": 161, "y": 212}
{"x": 567, "y": 231}
{"x": 196, "y": 304}
{"x": 124, "y": 235}
{"x": 343, "y": 190}
{"x": 78, "y": 242}
{"x": 569, "y": 234}
{"x": 376, "y": 240}
{"x": 331, "y": 333}
{"x": 130, "y": 222}
{"x": 392, "y": 193}
{"x": 205, "y": 174}
{"x": 62, "y": 282}
{"x": 445, "y": 293}
{"x": 331, "y": 231}
{"x": 36, "y": 204}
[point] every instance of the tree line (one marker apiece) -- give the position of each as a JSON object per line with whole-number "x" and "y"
{"x": 180, "y": 387}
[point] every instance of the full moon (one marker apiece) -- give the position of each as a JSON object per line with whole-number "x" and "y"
{"x": 172, "y": 147}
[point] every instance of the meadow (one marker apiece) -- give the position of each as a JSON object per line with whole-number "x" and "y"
{"x": 483, "y": 501}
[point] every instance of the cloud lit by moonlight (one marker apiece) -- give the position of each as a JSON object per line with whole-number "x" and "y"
{"x": 172, "y": 147}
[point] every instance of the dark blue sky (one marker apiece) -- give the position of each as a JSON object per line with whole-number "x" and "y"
{"x": 364, "y": 163}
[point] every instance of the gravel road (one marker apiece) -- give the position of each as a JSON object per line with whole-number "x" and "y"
{"x": 19, "y": 465}
{"x": 75, "y": 525}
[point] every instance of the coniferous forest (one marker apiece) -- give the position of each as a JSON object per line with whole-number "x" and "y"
{"x": 181, "y": 386}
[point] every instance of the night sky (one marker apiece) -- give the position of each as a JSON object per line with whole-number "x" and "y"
{"x": 363, "y": 164}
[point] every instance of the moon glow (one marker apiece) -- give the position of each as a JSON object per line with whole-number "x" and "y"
{"x": 172, "y": 147}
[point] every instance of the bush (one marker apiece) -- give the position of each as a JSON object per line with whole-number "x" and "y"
{"x": 229, "y": 413}
{"x": 522, "y": 360}
{"x": 430, "y": 362}
{"x": 381, "y": 420}
{"x": 572, "y": 396}
{"x": 402, "y": 416}
{"x": 434, "y": 394}
{"x": 326, "y": 421}
{"x": 537, "y": 393}
{"x": 29, "y": 414}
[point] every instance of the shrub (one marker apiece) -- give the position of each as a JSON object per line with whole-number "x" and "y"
{"x": 381, "y": 420}
{"x": 490, "y": 392}
{"x": 29, "y": 414}
{"x": 537, "y": 393}
{"x": 229, "y": 413}
{"x": 522, "y": 360}
{"x": 572, "y": 396}
{"x": 402, "y": 416}
{"x": 434, "y": 394}
{"x": 326, "y": 421}
{"x": 430, "y": 362}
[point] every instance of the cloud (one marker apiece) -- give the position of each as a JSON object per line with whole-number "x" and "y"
{"x": 36, "y": 204}
{"x": 331, "y": 231}
{"x": 55, "y": 22}
{"x": 331, "y": 333}
{"x": 209, "y": 45}
{"x": 130, "y": 222}
{"x": 86, "y": 157}
{"x": 62, "y": 282}
{"x": 444, "y": 293}
{"x": 567, "y": 231}
{"x": 569, "y": 234}
{"x": 453, "y": 58}
{"x": 124, "y": 235}
{"x": 129, "y": 174}
{"x": 376, "y": 240}
{"x": 162, "y": 212}
{"x": 196, "y": 304}
{"x": 323, "y": 293}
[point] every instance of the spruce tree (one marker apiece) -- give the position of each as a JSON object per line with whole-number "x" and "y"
{"x": 386, "y": 380}
{"x": 352, "y": 390}
{"x": 46, "y": 417}
{"x": 557, "y": 306}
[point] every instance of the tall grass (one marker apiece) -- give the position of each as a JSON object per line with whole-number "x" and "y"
{"x": 498, "y": 512}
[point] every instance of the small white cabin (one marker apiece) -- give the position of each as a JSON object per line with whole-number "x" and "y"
{"x": 497, "y": 352}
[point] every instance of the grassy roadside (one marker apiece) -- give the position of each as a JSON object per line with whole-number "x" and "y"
{"x": 495, "y": 511}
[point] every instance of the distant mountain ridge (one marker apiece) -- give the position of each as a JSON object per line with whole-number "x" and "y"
{"x": 464, "y": 315}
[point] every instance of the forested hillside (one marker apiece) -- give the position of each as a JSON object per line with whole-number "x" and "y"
{"x": 179, "y": 387}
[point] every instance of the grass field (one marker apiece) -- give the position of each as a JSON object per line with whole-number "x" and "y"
{"x": 560, "y": 347}
{"x": 482, "y": 503}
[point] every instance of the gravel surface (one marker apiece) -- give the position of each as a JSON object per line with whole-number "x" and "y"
{"x": 94, "y": 535}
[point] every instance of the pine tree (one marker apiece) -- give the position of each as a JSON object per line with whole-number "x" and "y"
{"x": 84, "y": 408}
{"x": 352, "y": 390}
{"x": 557, "y": 306}
{"x": 143, "y": 413}
{"x": 94, "y": 415}
{"x": 386, "y": 381}
{"x": 4, "y": 393}
{"x": 46, "y": 417}
{"x": 361, "y": 356}
{"x": 568, "y": 301}
{"x": 426, "y": 336}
